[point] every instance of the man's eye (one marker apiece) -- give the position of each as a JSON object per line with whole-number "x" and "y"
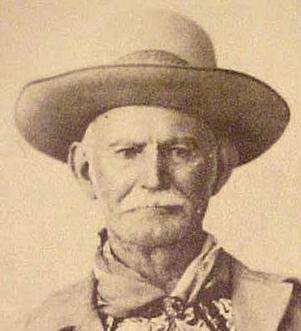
{"x": 128, "y": 153}
{"x": 182, "y": 152}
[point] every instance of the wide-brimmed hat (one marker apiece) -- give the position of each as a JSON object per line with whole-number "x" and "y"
{"x": 161, "y": 59}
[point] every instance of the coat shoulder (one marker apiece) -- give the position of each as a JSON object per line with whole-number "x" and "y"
{"x": 70, "y": 309}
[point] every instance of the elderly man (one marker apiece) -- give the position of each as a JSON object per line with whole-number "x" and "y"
{"x": 153, "y": 135}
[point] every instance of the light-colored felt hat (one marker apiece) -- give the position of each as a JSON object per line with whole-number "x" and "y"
{"x": 156, "y": 58}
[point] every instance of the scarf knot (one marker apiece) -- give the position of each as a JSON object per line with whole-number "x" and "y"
{"x": 173, "y": 307}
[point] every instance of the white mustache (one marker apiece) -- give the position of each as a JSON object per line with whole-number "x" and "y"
{"x": 161, "y": 200}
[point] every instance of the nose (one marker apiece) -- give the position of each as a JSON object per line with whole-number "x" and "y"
{"x": 154, "y": 175}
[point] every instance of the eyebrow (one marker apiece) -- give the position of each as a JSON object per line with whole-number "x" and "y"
{"x": 181, "y": 140}
{"x": 120, "y": 142}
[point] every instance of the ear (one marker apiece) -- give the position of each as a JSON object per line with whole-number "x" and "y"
{"x": 227, "y": 160}
{"x": 79, "y": 164}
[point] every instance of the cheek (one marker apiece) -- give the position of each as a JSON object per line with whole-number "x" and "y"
{"x": 195, "y": 180}
{"x": 113, "y": 183}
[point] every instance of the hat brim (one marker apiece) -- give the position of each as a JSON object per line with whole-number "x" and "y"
{"x": 53, "y": 112}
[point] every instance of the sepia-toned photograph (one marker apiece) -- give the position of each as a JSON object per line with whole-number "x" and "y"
{"x": 150, "y": 165}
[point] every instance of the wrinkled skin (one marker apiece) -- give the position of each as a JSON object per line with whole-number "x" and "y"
{"x": 153, "y": 168}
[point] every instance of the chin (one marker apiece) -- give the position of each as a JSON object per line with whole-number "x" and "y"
{"x": 154, "y": 227}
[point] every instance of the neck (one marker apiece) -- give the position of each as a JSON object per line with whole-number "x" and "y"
{"x": 163, "y": 265}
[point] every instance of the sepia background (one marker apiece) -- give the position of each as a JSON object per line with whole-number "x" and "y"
{"x": 47, "y": 226}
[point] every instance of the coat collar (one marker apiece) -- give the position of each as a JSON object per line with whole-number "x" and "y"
{"x": 259, "y": 300}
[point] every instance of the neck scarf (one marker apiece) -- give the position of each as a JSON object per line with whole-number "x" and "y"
{"x": 130, "y": 302}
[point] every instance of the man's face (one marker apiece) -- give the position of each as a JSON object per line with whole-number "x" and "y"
{"x": 153, "y": 168}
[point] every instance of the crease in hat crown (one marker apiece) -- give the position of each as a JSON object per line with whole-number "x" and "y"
{"x": 159, "y": 58}
{"x": 153, "y": 57}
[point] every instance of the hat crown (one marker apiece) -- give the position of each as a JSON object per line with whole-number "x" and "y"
{"x": 155, "y": 36}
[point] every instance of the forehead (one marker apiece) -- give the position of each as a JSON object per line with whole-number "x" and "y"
{"x": 147, "y": 122}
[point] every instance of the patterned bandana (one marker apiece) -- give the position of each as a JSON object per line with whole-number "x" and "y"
{"x": 126, "y": 301}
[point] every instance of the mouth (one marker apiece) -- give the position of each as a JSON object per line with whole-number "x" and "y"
{"x": 166, "y": 209}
